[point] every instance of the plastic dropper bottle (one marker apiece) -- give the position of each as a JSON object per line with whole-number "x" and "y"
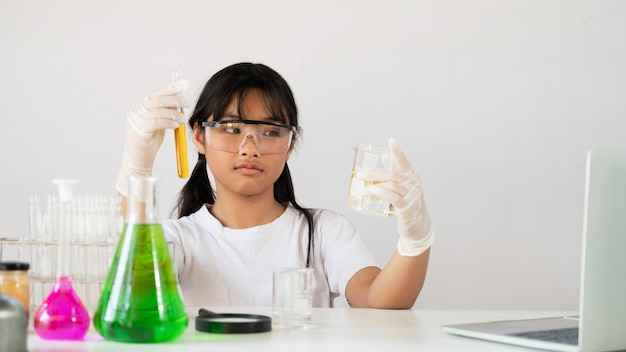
{"x": 62, "y": 316}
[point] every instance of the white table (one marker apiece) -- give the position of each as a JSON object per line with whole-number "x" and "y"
{"x": 333, "y": 329}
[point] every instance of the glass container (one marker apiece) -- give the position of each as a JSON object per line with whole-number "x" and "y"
{"x": 14, "y": 281}
{"x": 62, "y": 315}
{"x": 141, "y": 300}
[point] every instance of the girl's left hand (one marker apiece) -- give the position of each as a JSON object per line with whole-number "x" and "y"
{"x": 402, "y": 188}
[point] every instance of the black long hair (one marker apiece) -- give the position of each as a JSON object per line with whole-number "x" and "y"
{"x": 236, "y": 81}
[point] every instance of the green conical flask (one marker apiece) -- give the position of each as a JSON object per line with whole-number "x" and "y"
{"x": 141, "y": 300}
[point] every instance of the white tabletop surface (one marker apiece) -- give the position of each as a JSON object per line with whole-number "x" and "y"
{"x": 333, "y": 329}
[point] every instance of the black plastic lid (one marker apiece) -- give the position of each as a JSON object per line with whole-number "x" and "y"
{"x": 14, "y": 266}
{"x": 228, "y": 323}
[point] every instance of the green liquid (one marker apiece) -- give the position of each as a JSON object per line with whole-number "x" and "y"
{"x": 140, "y": 301}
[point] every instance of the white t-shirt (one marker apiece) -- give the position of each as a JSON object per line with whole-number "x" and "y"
{"x": 218, "y": 266}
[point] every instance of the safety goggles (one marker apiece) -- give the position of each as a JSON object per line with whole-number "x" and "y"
{"x": 231, "y": 135}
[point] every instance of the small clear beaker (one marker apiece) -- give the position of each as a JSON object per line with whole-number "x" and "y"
{"x": 292, "y": 301}
{"x": 369, "y": 156}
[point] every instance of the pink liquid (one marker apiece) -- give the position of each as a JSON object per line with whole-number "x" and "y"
{"x": 62, "y": 316}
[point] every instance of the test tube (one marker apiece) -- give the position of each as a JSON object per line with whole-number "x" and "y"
{"x": 179, "y": 139}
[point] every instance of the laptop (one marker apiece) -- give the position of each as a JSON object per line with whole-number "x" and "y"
{"x": 601, "y": 321}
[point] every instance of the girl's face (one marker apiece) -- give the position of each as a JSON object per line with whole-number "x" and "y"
{"x": 247, "y": 172}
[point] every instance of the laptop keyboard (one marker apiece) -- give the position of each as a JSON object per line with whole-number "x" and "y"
{"x": 567, "y": 336}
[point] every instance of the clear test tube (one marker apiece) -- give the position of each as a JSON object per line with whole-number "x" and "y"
{"x": 46, "y": 263}
{"x": 182, "y": 163}
{"x": 36, "y": 295}
{"x": 35, "y": 216}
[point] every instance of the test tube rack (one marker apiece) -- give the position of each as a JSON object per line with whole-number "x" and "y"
{"x": 93, "y": 229}
{"x": 91, "y": 261}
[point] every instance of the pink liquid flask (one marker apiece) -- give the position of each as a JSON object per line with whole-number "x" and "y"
{"x": 62, "y": 316}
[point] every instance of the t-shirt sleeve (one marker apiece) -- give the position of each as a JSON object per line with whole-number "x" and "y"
{"x": 172, "y": 232}
{"x": 341, "y": 250}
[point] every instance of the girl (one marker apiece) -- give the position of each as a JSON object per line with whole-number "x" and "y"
{"x": 228, "y": 240}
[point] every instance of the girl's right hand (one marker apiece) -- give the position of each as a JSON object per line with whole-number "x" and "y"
{"x": 145, "y": 128}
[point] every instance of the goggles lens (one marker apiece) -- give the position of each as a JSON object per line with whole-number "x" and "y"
{"x": 231, "y": 135}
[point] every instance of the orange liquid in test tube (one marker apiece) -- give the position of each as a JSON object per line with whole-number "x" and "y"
{"x": 182, "y": 164}
{"x": 181, "y": 151}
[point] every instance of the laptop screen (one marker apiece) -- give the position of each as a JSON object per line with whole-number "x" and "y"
{"x": 603, "y": 282}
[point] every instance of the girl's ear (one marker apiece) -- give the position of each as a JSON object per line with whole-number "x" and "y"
{"x": 198, "y": 138}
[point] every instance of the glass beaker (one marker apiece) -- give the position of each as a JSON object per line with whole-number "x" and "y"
{"x": 367, "y": 157}
{"x": 140, "y": 300}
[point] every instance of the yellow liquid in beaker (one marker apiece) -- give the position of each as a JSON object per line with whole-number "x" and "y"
{"x": 364, "y": 203}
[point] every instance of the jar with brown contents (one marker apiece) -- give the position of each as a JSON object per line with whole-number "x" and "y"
{"x": 14, "y": 281}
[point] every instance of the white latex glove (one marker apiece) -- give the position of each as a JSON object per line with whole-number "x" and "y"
{"x": 402, "y": 188}
{"x": 145, "y": 128}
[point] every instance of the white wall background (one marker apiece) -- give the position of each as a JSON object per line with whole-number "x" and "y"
{"x": 495, "y": 102}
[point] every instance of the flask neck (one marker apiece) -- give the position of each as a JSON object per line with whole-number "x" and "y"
{"x": 142, "y": 201}
{"x": 63, "y": 283}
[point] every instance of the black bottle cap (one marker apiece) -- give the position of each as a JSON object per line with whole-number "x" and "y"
{"x": 14, "y": 266}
